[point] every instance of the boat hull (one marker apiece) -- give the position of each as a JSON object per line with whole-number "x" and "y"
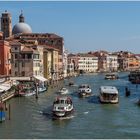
{"x": 2, "y": 116}
{"x": 107, "y": 101}
{"x": 60, "y": 114}
{"x": 28, "y": 94}
{"x": 84, "y": 94}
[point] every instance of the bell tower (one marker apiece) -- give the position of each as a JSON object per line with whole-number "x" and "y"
{"x": 6, "y": 24}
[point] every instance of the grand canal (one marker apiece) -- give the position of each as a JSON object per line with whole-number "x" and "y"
{"x": 90, "y": 120}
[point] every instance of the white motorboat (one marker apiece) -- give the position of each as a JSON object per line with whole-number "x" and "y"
{"x": 111, "y": 76}
{"x": 62, "y": 107}
{"x": 42, "y": 89}
{"x": 63, "y": 91}
{"x": 28, "y": 93}
{"x": 108, "y": 94}
{"x": 84, "y": 90}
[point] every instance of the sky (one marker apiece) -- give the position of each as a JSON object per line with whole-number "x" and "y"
{"x": 85, "y": 26}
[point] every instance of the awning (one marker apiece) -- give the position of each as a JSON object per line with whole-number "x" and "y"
{"x": 4, "y": 88}
{"x": 40, "y": 78}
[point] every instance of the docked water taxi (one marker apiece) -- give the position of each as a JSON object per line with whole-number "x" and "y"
{"x": 84, "y": 90}
{"x": 111, "y": 76}
{"x": 62, "y": 107}
{"x": 134, "y": 77}
{"x": 108, "y": 94}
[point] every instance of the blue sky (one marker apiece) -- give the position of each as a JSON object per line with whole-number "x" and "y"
{"x": 85, "y": 26}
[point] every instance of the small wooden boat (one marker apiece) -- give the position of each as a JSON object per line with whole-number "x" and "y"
{"x": 27, "y": 93}
{"x": 71, "y": 83}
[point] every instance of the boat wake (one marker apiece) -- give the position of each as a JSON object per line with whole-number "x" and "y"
{"x": 63, "y": 118}
{"x": 86, "y": 112}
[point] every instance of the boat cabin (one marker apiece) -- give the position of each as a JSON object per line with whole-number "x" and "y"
{"x": 63, "y": 100}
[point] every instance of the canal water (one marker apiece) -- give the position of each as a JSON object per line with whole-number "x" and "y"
{"x": 31, "y": 118}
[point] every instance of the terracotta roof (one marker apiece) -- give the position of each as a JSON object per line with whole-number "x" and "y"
{"x": 86, "y": 55}
{"x": 53, "y": 48}
{"x": 26, "y": 49}
{"x": 70, "y": 55}
{"x": 137, "y": 55}
{"x": 49, "y": 35}
{"x": 15, "y": 42}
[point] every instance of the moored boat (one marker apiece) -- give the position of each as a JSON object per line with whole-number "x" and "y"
{"x": 134, "y": 77}
{"x": 27, "y": 93}
{"x": 108, "y": 94}
{"x": 2, "y": 112}
{"x": 42, "y": 89}
{"x": 84, "y": 90}
{"x": 62, "y": 107}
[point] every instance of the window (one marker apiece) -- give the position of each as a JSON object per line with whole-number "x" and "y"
{"x": 15, "y": 65}
{"x": 23, "y": 56}
{"x": 16, "y": 56}
{"x": 23, "y": 64}
{"x": 29, "y": 56}
{"x": 15, "y": 73}
{"x": 36, "y": 56}
{"x": 23, "y": 73}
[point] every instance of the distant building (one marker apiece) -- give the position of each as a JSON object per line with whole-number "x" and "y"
{"x": 102, "y": 60}
{"x": 65, "y": 63}
{"x": 25, "y": 60}
{"x": 112, "y": 62}
{"x": 88, "y": 63}
{"x": 72, "y": 63}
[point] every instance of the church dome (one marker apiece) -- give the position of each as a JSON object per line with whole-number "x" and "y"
{"x": 21, "y": 27}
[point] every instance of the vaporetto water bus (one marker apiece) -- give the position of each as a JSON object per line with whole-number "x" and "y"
{"x": 62, "y": 107}
{"x": 108, "y": 94}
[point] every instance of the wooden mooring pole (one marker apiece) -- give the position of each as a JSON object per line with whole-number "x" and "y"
{"x": 36, "y": 86}
{"x": 5, "y": 106}
{"x": 9, "y": 112}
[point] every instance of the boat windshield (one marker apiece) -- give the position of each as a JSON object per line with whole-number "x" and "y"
{"x": 63, "y": 102}
{"x": 109, "y": 96}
